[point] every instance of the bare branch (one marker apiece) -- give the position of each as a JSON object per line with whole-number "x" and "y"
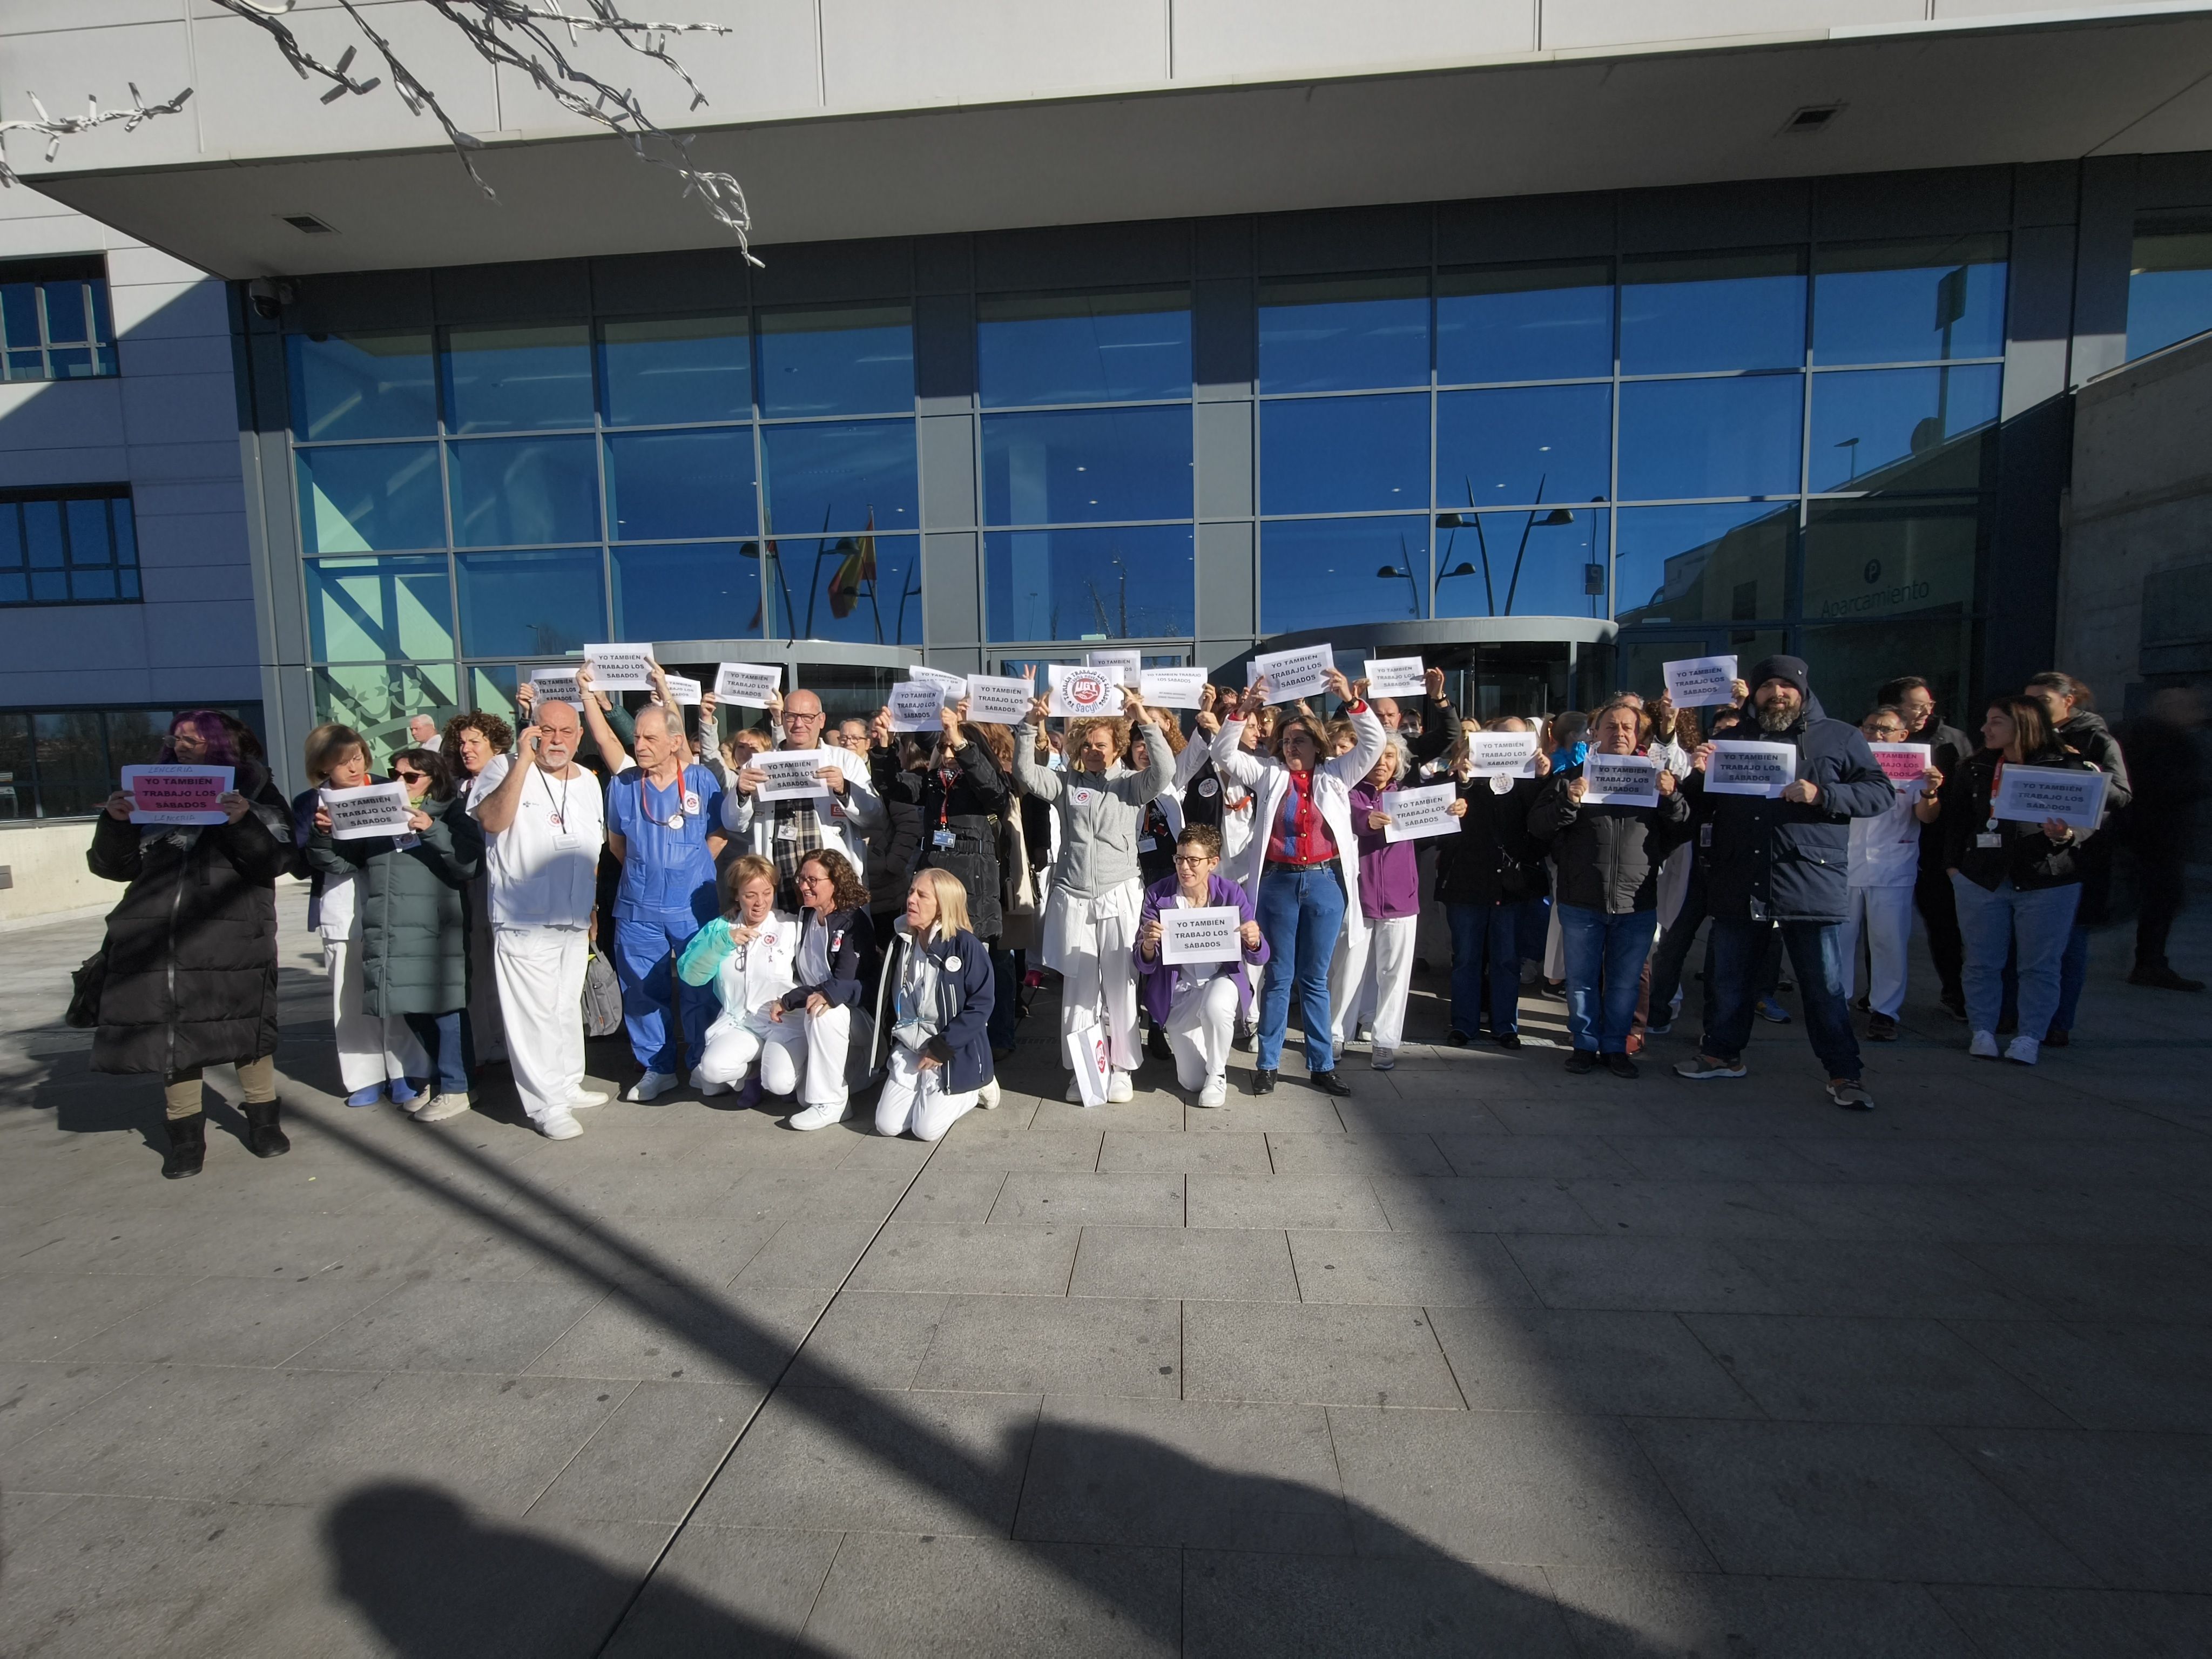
{"x": 55, "y": 128}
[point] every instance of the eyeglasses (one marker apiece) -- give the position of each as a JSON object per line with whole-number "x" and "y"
{"x": 1193, "y": 859}
{"x": 407, "y": 777}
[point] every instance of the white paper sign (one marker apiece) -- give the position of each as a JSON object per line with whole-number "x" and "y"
{"x": 1077, "y": 692}
{"x": 177, "y": 793}
{"x": 1087, "y": 1056}
{"x": 2029, "y": 795}
{"x": 1396, "y": 677}
{"x": 950, "y": 687}
{"x": 790, "y": 774}
{"x": 1502, "y": 754}
{"x": 916, "y": 706}
{"x": 556, "y": 685}
{"x": 376, "y": 809}
{"x": 747, "y": 682}
{"x": 999, "y": 700}
{"x": 1619, "y": 780}
{"x": 1206, "y": 933}
{"x": 1902, "y": 763}
{"x": 1171, "y": 688}
{"x": 1700, "y": 682}
{"x": 620, "y": 667}
{"x": 1416, "y": 814}
{"x": 1294, "y": 674}
{"x": 686, "y": 692}
{"x": 1124, "y": 666}
{"x": 1750, "y": 768}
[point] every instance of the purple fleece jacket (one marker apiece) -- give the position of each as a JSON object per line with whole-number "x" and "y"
{"x": 1156, "y": 981}
{"x": 1390, "y": 874}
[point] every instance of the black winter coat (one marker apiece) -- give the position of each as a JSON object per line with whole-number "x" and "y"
{"x": 1607, "y": 856}
{"x": 2086, "y": 735}
{"x": 413, "y": 910}
{"x": 2030, "y": 858}
{"x": 1776, "y": 861}
{"x": 1441, "y": 731}
{"x": 191, "y": 948}
{"x": 1947, "y": 749}
{"x": 852, "y": 948}
{"x": 1494, "y": 859}
{"x": 969, "y": 810}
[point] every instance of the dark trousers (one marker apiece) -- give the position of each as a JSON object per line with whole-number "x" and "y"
{"x": 2160, "y": 884}
{"x": 1939, "y": 913}
{"x": 1670, "y": 956}
{"x": 1737, "y": 965}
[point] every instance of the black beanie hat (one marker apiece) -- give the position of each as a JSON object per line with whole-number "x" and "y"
{"x": 1790, "y": 669}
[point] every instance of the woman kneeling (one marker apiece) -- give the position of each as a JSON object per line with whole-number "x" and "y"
{"x": 747, "y": 954}
{"x": 940, "y": 979}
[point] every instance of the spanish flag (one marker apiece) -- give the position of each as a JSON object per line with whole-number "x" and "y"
{"x": 857, "y": 567}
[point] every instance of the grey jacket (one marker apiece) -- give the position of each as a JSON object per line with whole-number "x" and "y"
{"x": 414, "y": 924}
{"x": 1098, "y": 814}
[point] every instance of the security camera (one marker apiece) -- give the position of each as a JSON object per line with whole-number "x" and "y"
{"x": 269, "y": 298}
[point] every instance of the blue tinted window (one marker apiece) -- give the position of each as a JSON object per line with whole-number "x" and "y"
{"x": 1902, "y": 302}
{"x": 1525, "y": 323}
{"x": 698, "y": 591}
{"x": 518, "y": 492}
{"x": 1903, "y": 429}
{"x": 531, "y": 604}
{"x": 518, "y": 380}
{"x": 1873, "y": 560}
{"x": 1694, "y": 564}
{"x": 661, "y": 371}
{"x": 379, "y": 610}
{"x": 2169, "y": 282}
{"x": 1551, "y": 443}
{"x": 841, "y": 475}
{"x": 1083, "y": 348}
{"x": 662, "y": 485}
{"x": 1684, "y": 314}
{"x": 1681, "y": 439}
{"x": 1344, "y": 335}
{"x": 1124, "y": 583}
{"x": 1344, "y": 454}
{"x": 837, "y": 362}
{"x": 862, "y": 588}
{"x": 1545, "y": 562}
{"x": 378, "y": 499}
{"x": 1320, "y": 573}
{"x": 1087, "y": 464}
{"x": 361, "y": 386}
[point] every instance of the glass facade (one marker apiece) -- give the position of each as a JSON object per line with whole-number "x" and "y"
{"x": 63, "y": 762}
{"x": 54, "y": 320}
{"x": 2170, "y": 279}
{"x": 71, "y": 547}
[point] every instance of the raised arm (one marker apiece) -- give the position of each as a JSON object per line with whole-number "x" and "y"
{"x": 602, "y": 734}
{"x": 1036, "y": 779}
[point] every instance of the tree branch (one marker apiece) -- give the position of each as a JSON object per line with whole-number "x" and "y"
{"x": 55, "y": 128}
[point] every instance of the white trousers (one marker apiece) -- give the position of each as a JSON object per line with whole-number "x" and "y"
{"x": 371, "y": 1050}
{"x": 915, "y": 1098}
{"x": 732, "y": 1046}
{"x": 811, "y": 1067}
{"x": 1371, "y": 976}
{"x": 1884, "y": 916}
{"x": 1200, "y": 1019}
{"x": 1087, "y": 943}
{"x": 486, "y": 1026}
{"x": 540, "y": 974}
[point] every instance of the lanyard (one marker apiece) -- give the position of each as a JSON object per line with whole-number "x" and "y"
{"x": 674, "y": 820}
{"x": 560, "y": 807}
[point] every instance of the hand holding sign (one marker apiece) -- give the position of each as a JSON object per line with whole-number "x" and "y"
{"x": 179, "y": 795}
{"x": 996, "y": 699}
{"x": 1501, "y": 754}
{"x": 1700, "y": 682}
{"x": 1396, "y": 677}
{"x": 1416, "y": 814}
{"x": 917, "y": 706}
{"x": 1206, "y": 933}
{"x": 1079, "y": 691}
{"x": 748, "y": 683}
{"x": 1733, "y": 768}
{"x": 1173, "y": 688}
{"x": 1619, "y": 781}
{"x": 1124, "y": 666}
{"x": 620, "y": 667}
{"x": 2042, "y": 794}
{"x": 1905, "y": 765}
{"x": 556, "y": 685}
{"x": 788, "y": 774}
{"x": 1290, "y": 675}
{"x": 375, "y": 808}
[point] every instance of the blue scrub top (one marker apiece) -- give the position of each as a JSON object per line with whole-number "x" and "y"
{"x": 666, "y": 868}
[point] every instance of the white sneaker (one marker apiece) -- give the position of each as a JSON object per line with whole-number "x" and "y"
{"x": 987, "y": 1095}
{"x": 587, "y": 1097}
{"x": 407, "y": 1102}
{"x": 2023, "y": 1050}
{"x": 1215, "y": 1094}
{"x": 442, "y": 1107}
{"x": 822, "y": 1116}
{"x": 651, "y": 1086}
{"x": 1382, "y": 1059}
{"x": 560, "y": 1124}
{"x": 1119, "y": 1087}
{"x": 1984, "y": 1046}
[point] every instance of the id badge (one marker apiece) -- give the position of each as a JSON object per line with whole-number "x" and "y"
{"x": 943, "y": 839}
{"x": 1989, "y": 841}
{"x": 1706, "y": 835}
{"x": 1147, "y": 843}
{"x": 409, "y": 840}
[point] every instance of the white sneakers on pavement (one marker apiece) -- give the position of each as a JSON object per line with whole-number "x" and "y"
{"x": 1382, "y": 1059}
{"x": 2023, "y": 1051}
{"x": 822, "y": 1116}
{"x": 442, "y": 1107}
{"x": 1984, "y": 1046}
{"x": 584, "y": 1097}
{"x": 988, "y": 1096}
{"x": 650, "y": 1087}
{"x": 1119, "y": 1087}
{"x": 1215, "y": 1094}
{"x": 560, "y": 1124}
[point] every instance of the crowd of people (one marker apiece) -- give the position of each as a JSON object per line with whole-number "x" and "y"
{"x": 884, "y": 911}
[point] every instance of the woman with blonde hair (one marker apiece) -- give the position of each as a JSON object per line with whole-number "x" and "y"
{"x": 935, "y": 1008}
{"x": 747, "y": 954}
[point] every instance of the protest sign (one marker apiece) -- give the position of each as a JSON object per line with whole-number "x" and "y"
{"x": 998, "y": 700}
{"x": 1902, "y": 763}
{"x": 1750, "y": 768}
{"x": 556, "y": 685}
{"x": 1700, "y": 682}
{"x": 916, "y": 706}
{"x": 790, "y": 774}
{"x": 1619, "y": 780}
{"x": 1294, "y": 674}
{"x": 176, "y": 794}
{"x": 2029, "y": 795}
{"x": 1502, "y": 754}
{"x": 747, "y": 682}
{"x": 1396, "y": 677}
{"x": 1417, "y": 814}
{"x": 1208, "y": 933}
{"x": 685, "y": 690}
{"x": 951, "y": 688}
{"x": 1077, "y": 692}
{"x": 376, "y": 809}
{"x": 1124, "y": 666}
{"x": 620, "y": 667}
{"x": 1171, "y": 688}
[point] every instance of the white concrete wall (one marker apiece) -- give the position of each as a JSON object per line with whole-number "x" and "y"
{"x": 49, "y": 878}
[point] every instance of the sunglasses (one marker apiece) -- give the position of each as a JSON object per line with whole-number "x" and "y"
{"x": 409, "y": 777}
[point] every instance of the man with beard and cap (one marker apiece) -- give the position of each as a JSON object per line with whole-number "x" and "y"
{"x": 1785, "y": 861}
{"x": 1947, "y": 746}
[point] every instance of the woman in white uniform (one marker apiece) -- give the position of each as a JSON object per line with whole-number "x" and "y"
{"x": 836, "y": 941}
{"x": 747, "y": 954}
{"x": 1884, "y": 863}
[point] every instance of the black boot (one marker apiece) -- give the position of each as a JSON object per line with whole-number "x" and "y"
{"x": 187, "y": 1146}
{"x": 263, "y": 1137}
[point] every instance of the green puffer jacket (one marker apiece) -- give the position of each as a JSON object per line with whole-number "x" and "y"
{"x": 413, "y": 911}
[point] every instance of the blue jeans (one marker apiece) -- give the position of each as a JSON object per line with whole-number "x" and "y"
{"x": 646, "y": 944}
{"x": 1739, "y": 959}
{"x": 1534, "y": 925}
{"x": 1605, "y": 969}
{"x": 2035, "y": 926}
{"x": 1301, "y": 912}
{"x": 441, "y": 1037}
{"x": 2072, "y": 973}
{"x": 1485, "y": 935}
{"x": 1672, "y": 953}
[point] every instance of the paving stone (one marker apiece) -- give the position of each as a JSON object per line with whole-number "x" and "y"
{"x": 1073, "y": 1200}
{"x": 951, "y": 1193}
{"x": 1056, "y": 1344}
{"x": 1135, "y": 1151}
{"x": 1356, "y": 1154}
{"x": 1687, "y": 1209}
{"x": 1634, "y": 1615}
{"x": 1480, "y": 1205}
{"x": 454, "y": 1325}
{"x": 234, "y": 1322}
{"x": 1413, "y": 1605}
{"x": 1718, "y": 1158}
{"x": 654, "y": 1457}
{"x": 868, "y": 1339}
{"x": 1692, "y": 1275}
{"x": 2063, "y": 1624}
{"x": 728, "y": 1591}
{"x": 1866, "y": 1370}
{"x": 2152, "y": 1281}
{"x": 2107, "y": 1376}
{"x": 1300, "y": 1353}
{"x": 1206, "y": 1263}
{"x": 1557, "y": 1157}
{"x": 1002, "y": 1258}
{"x": 989, "y": 1146}
{"x": 1284, "y": 1200}
{"x": 45, "y": 1313}
{"x": 1454, "y": 1270}
{"x": 35, "y": 1395}
{"x": 1635, "y": 1365}
{"x": 808, "y": 1255}
{"x": 2135, "y": 1507}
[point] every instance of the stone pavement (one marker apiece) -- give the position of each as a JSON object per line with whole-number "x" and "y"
{"x": 1484, "y": 1360}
